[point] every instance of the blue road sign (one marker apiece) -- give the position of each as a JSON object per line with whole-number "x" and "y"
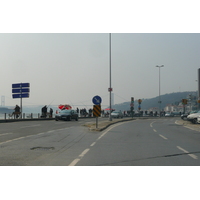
{"x": 23, "y": 90}
{"x": 21, "y": 85}
{"x": 18, "y": 85}
{"x": 23, "y": 95}
{"x": 20, "y": 90}
{"x": 25, "y": 85}
{"x": 96, "y": 100}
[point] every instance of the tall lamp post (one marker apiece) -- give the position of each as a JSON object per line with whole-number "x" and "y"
{"x": 110, "y": 89}
{"x": 159, "y": 90}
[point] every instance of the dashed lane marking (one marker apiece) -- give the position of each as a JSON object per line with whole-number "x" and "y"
{"x": 93, "y": 144}
{"x": 75, "y": 161}
{"x": 31, "y": 126}
{"x": 185, "y": 151}
{"x": 151, "y": 125}
{"x": 5, "y": 134}
{"x": 83, "y": 153}
{"x": 162, "y": 136}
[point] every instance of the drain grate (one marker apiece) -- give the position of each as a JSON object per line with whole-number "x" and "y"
{"x": 43, "y": 148}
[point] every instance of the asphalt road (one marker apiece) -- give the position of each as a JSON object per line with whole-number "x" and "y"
{"x": 141, "y": 142}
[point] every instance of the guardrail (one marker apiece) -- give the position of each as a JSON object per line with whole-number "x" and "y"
{"x": 37, "y": 116}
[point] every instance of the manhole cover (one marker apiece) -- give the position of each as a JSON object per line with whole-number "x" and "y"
{"x": 42, "y": 148}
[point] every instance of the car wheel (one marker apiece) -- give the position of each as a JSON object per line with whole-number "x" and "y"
{"x": 56, "y": 119}
{"x": 194, "y": 121}
{"x": 77, "y": 119}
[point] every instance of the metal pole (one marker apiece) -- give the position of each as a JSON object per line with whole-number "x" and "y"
{"x": 198, "y": 98}
{"x": 159, "y": 90}
{"x": 110, "y": 118}
{"x": 96, "y": 122}
{"x": 21, "y": 100}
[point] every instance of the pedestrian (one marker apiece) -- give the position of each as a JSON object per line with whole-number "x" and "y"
{"x": 44, "y": 111}
{"x": 77, "y": 110}
{"x": 17, "y": 111}
{"x": 51, "y": 113}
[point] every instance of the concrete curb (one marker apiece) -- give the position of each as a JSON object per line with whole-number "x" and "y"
{"x": 189, "y": 125}
{"x": 103, "y": 127}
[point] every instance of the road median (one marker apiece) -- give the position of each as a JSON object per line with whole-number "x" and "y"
{"x": 102, "y": 125}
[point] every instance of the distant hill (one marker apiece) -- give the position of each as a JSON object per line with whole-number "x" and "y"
{"x": 171, "y": 98}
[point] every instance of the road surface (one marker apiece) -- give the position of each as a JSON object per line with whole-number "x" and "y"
{"x": 141, "y": 142}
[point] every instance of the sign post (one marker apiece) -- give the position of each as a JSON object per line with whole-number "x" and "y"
{"x": 139, "y": 106}
{"x": 97, "y": 108}
{"x": 184, "y": 102}
{"x": 20, "y": 90}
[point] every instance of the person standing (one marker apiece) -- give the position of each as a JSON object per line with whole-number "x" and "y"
{"x": 17, "y": 111}
{"x": 51, "y": 112}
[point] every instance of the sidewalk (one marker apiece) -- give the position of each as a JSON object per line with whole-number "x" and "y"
{"x": 102, "y": 125}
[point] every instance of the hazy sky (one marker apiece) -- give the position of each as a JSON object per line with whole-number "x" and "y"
{"x": 72, "y": 68}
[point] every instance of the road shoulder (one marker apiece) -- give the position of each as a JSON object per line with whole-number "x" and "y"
{"x": 188, "y": 124}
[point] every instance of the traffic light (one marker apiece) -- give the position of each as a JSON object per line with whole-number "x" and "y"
{"x": 184, "y": 101}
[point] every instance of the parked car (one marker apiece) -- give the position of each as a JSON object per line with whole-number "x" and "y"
{"x": 193, "y": 117}
{"x": 67, "y": 115}
{"x": 184, "y": 116}
{"x": 169, "y": 114}
{"x": 117, "y": 114}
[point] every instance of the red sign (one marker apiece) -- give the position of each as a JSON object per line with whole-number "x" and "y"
{"x": 110, "y": 89}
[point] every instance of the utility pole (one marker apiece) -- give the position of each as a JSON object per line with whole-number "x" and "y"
{"x": 159, "y": 90}
{"x": 110, "y": 89}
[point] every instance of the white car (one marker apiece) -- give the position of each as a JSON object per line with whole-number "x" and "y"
{"x": 117, "y": 114}
{"x": 169, "y": 114}
{"x": 194, "y": 117}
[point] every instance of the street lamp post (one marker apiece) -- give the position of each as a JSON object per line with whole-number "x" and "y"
{"x": 159, "y": 90}
{"x": 110, "y": 89}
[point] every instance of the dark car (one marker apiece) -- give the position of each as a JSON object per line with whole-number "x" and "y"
{"x": 67, "y": 115}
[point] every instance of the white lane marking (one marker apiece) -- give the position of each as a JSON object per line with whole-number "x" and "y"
{"x": 5, "y": 134}
{"x": 74, "y": 162}
{"x": 93, "y": 144}
{"x": 151, "y": 125}
{"x": 13, "y": 140}
{"x": 154, "y": 130}
{"x": 113, "y": 126}
{"x": 31, "y": 126}
{"x": 28, "y": 136}
{"x": 84, "y": 153}
{"x": 191, "y": 155}
{"x": 50, "y": 131}
{"x": 163, "y": 136}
